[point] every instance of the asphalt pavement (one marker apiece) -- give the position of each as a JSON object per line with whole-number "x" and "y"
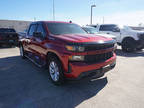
{"x": 24, "y": 85}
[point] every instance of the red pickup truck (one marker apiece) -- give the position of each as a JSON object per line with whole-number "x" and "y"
{"x": 67, "y": 50}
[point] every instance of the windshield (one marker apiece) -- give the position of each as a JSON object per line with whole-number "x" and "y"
{"x": 90, "y": 30}
{"x": 64, "y": 28}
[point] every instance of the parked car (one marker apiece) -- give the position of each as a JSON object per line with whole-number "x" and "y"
{"x": 92, "y": 30}
{"x": 8, "y": 36}
{"x": 128, "y": 38}
{"x": 67, "y": 50}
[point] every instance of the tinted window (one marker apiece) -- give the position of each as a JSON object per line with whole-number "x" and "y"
{"x": 108, "y": 27}
{"x": 64, "y": 28}
{"x": 31, "y": 30}
{"x": 41, "y": 29}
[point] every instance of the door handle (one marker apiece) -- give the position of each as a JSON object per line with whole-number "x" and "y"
{"x": 108, "y": 33}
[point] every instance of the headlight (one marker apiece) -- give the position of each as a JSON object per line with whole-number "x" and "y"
{"x": 75, "y": 48}
{"x": 76, "y": 58}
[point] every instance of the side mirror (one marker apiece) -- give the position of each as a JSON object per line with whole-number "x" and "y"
{"x": 37, "y": 34}
{"x": 116, "y": 30}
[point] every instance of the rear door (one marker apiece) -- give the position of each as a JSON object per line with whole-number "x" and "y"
{"x": 38, "y": 44}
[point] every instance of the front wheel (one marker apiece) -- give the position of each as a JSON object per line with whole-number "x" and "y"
{"x": 128, "y": 45}
{"x": 55, "y": 70}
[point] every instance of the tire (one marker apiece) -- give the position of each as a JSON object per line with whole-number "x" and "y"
{"x": 55, "y": 71}
{"x": 22, "y": 52}
{"x": 128, "y": 45}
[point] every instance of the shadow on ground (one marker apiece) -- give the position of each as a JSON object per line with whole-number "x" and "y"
{"x": 119, "y": 52}
{"x": 23, "y": 85}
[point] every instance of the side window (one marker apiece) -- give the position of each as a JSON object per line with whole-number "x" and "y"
{"x": 107, "y": 27}
{"x": 102, "y": 28}
{"x": 41, "y": 29}
{"x": 32, "y": 29}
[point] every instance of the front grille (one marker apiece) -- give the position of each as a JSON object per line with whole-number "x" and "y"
{"x": 98, "y": 57}
{"x": 98, "y": 47}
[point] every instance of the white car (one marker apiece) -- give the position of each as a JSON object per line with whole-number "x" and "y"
{"x": 127, "y": 37}
{"x": 92, "y": 30}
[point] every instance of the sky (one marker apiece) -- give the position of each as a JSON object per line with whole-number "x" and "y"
{"x": 122, "y": 12}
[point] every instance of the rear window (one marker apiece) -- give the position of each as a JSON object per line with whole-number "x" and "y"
{"x": 7, "y": 30}
{"x": 64, "y": 28}
{"x": 108, "y": 27}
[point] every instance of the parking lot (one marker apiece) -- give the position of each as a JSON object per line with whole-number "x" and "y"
{"x": 24, "y": 85}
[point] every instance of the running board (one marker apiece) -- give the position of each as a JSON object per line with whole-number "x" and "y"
{"x": 34, "y": 62}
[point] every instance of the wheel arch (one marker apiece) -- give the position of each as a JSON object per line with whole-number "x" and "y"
{"x": 20, "y": 43}
{"x": 51, "y": 53}
{"x": 128, "y": 37}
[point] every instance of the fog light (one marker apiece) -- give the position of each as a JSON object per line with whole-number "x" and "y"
{"x": 76, "y": 58}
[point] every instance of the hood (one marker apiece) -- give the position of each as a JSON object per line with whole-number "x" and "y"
{"x": 134, "y": 31}
{"x": 77, "y": 38}
{"x": 106, "y": 35}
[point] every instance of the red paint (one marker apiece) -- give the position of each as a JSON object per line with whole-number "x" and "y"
{"x": 82, "y": 38}
{"x": 78, "y": 68}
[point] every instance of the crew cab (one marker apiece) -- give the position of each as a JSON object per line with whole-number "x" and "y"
{"x": 8, "y": 36}
{"x": 127, "y": 37}
{"x": 67, "y": 50}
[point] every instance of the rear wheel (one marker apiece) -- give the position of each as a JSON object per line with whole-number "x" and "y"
{"x": 128, "y": 45}
{"x": 22, "y": 52}
{"x": 55, "y": 71}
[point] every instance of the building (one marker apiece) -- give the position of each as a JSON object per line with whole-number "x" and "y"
{"x": 19, "y": 26}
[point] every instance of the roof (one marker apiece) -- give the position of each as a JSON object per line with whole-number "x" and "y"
{"x": 49, "y": 22}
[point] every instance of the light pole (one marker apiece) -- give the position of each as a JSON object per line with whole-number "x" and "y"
{"x": 92, "y": 13}
{"x": 53, "y": 10}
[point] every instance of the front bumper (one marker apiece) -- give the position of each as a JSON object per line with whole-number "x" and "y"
{"x": 79, "y": 70}
{"x": 5, "y": 42}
